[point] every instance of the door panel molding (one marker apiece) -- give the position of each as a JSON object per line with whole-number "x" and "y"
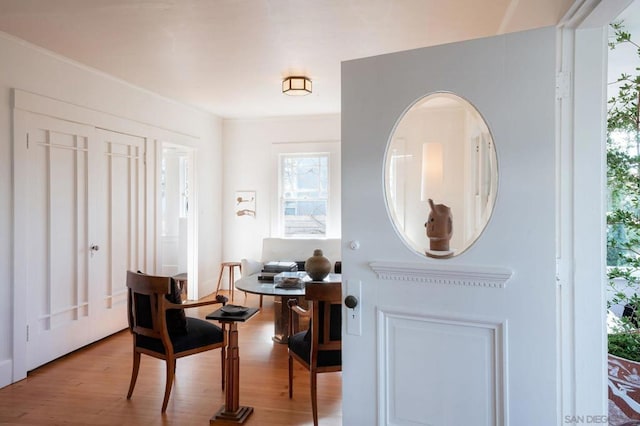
{"x": 466, "y": 357}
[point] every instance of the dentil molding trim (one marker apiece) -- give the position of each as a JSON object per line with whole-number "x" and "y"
{"x": 464, "y": 275}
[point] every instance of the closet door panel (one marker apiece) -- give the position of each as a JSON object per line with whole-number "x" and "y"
{"x": 56, "y": 262}
{"x": 120, "y": 219}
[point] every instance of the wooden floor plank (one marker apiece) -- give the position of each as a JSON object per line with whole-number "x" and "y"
{"x": 89, "y": 386}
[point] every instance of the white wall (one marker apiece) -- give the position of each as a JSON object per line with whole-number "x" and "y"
{"x": 248, "y": 165}
{"x": 26, "y": 67}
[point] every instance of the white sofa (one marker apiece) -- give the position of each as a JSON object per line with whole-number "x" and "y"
{"x": 292, "y": 249}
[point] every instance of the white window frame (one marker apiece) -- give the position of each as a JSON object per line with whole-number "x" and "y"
{"x": 284, "y": 199}
{"x": 330, "y": 148}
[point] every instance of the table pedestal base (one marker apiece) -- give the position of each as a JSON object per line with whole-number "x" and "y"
{"x": 281, "y": 317}
{"x": 232, "y": 412}
{"x": 231, "y": 417}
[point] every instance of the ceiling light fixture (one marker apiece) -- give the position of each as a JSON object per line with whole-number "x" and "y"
{"x": 296, "y": 86}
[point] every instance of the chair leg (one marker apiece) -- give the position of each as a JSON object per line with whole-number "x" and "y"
{"x": 290, "y": 377}
{"x": 171, "y": 368}
{"x": 260, "y": 301}
{"x": 232, "y": 283}
{"x": 314, "y": 397}
{"x": 134, "y": 372}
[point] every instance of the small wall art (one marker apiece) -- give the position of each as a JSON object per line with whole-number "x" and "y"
{"x": 245, "y": 203}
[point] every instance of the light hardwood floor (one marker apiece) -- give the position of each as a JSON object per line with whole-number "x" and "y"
{"x": 89, "y": 386}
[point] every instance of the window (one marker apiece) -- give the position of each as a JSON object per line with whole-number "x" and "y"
{"x": 305, "y": 189}
{"x": 304, "y": 194}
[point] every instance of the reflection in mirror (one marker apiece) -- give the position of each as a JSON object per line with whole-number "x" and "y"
{"x": 441, "y": 150}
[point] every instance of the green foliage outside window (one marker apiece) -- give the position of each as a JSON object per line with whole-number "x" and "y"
{"x": 623, "y": 149}
{"x": 623, "y": 213}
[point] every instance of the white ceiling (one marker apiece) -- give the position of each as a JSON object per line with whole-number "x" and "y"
{"x": 230, "y": 56}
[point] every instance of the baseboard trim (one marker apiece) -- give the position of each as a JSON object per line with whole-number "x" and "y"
{"x": 6, "y": 369}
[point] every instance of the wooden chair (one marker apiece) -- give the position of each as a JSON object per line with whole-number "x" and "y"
{"x": 161, "y": 330}
{"x": 319, "y": 349}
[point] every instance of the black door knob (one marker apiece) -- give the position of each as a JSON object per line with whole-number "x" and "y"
{"x": 351, "y": 302}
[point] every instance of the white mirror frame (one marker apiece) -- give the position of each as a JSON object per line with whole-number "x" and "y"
{"x": 441, "y": 148}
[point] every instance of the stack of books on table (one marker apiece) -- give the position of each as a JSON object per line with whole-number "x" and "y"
{"x": 271, "y": 269}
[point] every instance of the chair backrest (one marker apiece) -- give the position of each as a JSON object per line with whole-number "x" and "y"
{"x": 146, "y": 304}
{"x": 326, "y": 320}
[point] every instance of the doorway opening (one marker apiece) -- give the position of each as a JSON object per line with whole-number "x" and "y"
{"x": 177, "y": 234}
{"x": 623, "y": 232}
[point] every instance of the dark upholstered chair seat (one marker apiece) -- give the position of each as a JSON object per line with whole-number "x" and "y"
{"x": 300, "y": 344}
{"x": 200, "y": 333}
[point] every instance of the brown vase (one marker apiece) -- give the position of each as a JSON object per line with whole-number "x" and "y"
{"x": 439, "y": 226}
{"x": 317, "y": 266}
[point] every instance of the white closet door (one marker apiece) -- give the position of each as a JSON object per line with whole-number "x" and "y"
{"x": 119, "y": 216}
{"x": 57, "y": 237}
{"x": 84, "y": 227}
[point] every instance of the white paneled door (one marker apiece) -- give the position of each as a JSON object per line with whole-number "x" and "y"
{"x": 83, "y": 228}
{"x": 57, "y": 240}
{"x": 120, "y": 225}
{"x": 471, "y": 340}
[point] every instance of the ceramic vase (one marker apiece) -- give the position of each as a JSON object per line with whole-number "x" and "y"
{"x": 317, "y": 266}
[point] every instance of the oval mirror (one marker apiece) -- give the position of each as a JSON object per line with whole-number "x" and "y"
{"x": 441, "y": 175}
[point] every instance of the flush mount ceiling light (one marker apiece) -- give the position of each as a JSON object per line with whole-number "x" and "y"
{"x": 296, "y": 86}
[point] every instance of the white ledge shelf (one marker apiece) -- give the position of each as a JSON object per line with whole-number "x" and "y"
{"x": 463, "y": 275}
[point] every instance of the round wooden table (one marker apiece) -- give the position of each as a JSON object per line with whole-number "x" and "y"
{"x": 251, "y": 284}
